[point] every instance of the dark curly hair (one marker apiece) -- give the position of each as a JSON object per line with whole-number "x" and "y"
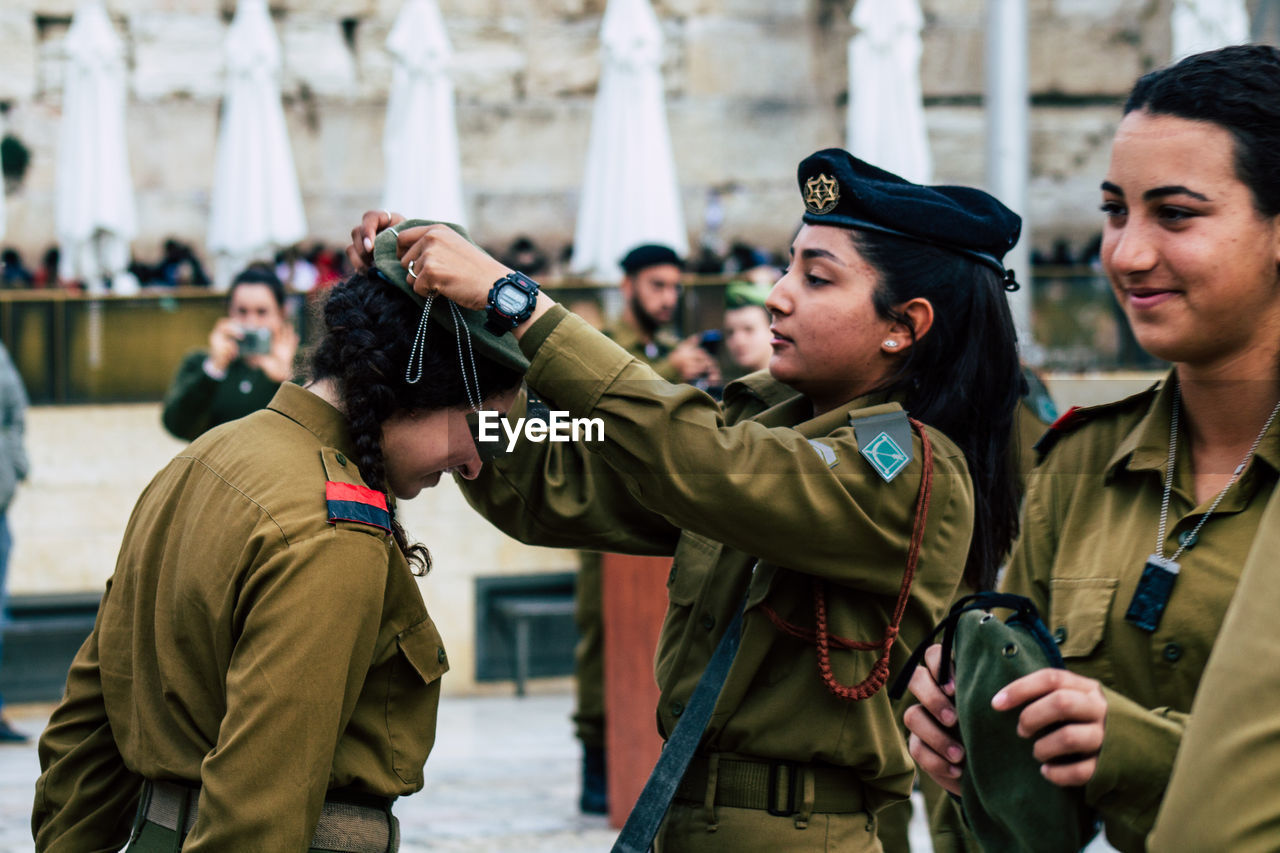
{"x": 963, "y": 377}
{"x": 369, "y": 328}
{"x": 1237, "y": 88}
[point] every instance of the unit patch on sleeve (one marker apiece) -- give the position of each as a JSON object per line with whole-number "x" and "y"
{"x": 885, "y": 442}
{"x": 361, "y": 504}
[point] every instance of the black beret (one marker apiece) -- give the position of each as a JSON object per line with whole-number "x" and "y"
{"x": 649, "y": 255}
{"x": 841, "y": 190}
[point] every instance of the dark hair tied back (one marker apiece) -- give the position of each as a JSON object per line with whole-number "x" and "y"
{"x": 963, "y": 377}
{"x": 369, "y": 328}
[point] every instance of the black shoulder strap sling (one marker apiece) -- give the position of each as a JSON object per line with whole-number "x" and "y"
{"x": 643, "y": 822}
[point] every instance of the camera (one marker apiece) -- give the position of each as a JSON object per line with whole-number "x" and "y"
{"x": 255, "y": 341}
{"x": 710, "y": 340}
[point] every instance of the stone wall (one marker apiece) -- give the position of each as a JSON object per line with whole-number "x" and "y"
{"x": 752, "y": 85}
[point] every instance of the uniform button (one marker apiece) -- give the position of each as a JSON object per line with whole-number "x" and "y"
{"x": 1060, "y": 634}
{"x": 708, "y": 621}
{"x": 342, "y": 460}
{"x": 1187, "y": 539}
{"x": 440, "y": 656}
{"x": 1172, "y": 652}
{"x": 671, "y": 575}
{"x": 676, "y": 709}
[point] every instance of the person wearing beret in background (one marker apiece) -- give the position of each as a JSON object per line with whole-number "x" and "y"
{"x": 859, "y": 524}
{"x": 1138, "y": 519}
{"x": 263, "y": 673}
{"x": 650, "y": 294}
{"x": 251, "y": 351}
{"x": 746, "y": 326}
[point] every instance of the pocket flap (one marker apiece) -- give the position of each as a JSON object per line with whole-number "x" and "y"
{"x": 1079, "y": 608}
{"x": 422, "y": 647}
{"x": 695, "y": 557}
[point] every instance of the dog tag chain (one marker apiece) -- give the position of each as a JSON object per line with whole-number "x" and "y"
{"x": 1160, "y": 572}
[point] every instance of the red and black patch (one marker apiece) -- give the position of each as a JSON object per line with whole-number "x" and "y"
{"x": 1070, "y": 419}
{"x": 361, "y": 504}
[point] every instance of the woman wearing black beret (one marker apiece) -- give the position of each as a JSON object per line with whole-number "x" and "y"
{"x": 824, "y": 515}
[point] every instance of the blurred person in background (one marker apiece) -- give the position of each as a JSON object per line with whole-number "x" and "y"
{"x": 251, "y": 351}
{"x": 650, "y": 288}
{"x": 14, "y": 273}
{"x": 746, "y": 326}
{"x": 180, "y": 267}
{"x": 295, "y": 270}
{"x": 13, "y": 470}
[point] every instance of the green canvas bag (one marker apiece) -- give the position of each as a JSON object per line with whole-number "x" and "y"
{"x": 1009, "y": 806}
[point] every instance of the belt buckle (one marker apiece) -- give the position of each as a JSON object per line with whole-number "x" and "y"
{"x": 793, "y": 776}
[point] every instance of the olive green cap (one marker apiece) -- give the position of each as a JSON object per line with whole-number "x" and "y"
{"x": 740, "y": 294}
{"x": 1009, "y": 804}
{"x": 503, "y": 349}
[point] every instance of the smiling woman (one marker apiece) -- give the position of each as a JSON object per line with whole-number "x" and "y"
{"x": 263, "y": 673}
{"x": 823, "y": 507}
{"x": 1140, "y": 515}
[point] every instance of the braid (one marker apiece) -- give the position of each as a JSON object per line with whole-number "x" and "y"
{"x": 369, "y": 329}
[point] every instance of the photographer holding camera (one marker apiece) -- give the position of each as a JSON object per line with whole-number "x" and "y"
{"x": 251, "y": 351}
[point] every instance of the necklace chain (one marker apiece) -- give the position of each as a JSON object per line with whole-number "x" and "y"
{"x": 1168, "y": 476}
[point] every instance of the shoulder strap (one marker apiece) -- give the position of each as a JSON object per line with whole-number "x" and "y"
{"x": 642, "y": 824}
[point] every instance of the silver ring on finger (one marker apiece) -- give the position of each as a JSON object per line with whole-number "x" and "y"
{"x": 412, "y": 274}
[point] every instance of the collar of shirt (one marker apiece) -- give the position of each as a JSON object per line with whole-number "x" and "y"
{"x": 314, "y": 414}
{"x": 797, "y": 412}
{"x": 1146, "y": 448}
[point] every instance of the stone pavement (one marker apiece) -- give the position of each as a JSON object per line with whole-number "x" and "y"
{"x": 503, "y": 778}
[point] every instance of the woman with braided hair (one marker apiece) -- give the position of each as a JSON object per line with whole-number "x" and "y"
{"x": 263, "y": 673}
{"x": 822, "y": 515}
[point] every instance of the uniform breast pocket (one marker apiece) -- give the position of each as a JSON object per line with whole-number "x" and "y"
{"x": 413, "y": 697}
{"x": 694, "y": 560}
{"x": 1078, "y": 613}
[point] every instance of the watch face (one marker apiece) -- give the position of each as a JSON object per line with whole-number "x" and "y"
{"x": 510, "y": 300}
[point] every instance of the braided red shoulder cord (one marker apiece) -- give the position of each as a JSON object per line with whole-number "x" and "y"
{"x": 822, "y": 638}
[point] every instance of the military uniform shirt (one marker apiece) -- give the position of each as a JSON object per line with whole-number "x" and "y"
{"x": 1090, "y": 522}
{"x": 656, "y": 353}
{"x": 247, "y": 645}
{"x": 720, "y": 488}
{"x": 197, "y": 402}
{"x": 1222, "y": 794}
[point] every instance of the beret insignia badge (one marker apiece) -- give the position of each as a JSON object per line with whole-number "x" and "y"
{"x": 821, "y": 194}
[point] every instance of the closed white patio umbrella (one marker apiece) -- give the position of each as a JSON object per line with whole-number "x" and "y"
{"x": 1200, "y": 25}
{"x": 95, "y": 217}
{"x": 420, "y": 143}
{"x": 886, "y": 113}
{"x": 256, "y": 206}
{"x": 629, "y": 191}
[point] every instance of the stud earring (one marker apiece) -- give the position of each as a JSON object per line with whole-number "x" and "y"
{"x": 891, "y": 344}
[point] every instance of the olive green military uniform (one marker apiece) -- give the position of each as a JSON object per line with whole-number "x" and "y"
{"x": 588, "y": 613}
{"x": 247, "y": 645}
{"x": 1222, "y": 794}
{"x": 1089, "y": 523}
{"x": 196, "y": 402}
{"x": 720, "y": 487}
